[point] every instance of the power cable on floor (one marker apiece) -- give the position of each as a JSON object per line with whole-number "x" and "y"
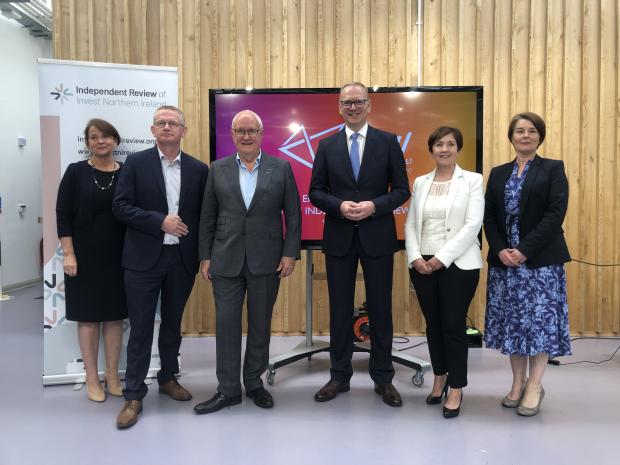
{"x": 410, "y": 347}
{"x": 595, "y": 264}
{"x": 599, "y": 362}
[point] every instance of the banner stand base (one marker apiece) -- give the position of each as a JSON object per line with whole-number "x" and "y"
{"x": 78, "y": 379}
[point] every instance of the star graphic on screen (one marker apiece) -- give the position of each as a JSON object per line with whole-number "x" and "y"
{"x": 300, "y": 141}
{"x": 305, "y": 153}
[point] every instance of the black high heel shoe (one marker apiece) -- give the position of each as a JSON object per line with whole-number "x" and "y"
{"x": 434, "y": 400}
{"x": 453, "y": 412}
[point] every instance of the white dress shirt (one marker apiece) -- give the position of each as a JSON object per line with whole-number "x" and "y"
{"x": 172, "y": 179}
{"x": 361, "y": 139}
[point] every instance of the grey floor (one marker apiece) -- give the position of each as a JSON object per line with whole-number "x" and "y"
{"x": 579, "y": 422}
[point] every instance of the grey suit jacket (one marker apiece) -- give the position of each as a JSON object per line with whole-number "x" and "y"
{"x": 231, "y": 233}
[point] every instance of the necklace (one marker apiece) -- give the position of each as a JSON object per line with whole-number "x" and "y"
{"x": 103, "y": 188}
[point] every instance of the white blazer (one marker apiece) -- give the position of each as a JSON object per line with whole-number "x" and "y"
{"x": 463, "y": 219}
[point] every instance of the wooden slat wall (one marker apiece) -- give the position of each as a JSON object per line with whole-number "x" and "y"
{"x": 556, "y": 57}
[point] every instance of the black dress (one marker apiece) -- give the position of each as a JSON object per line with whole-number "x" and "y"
{"x": 84, "y": 212}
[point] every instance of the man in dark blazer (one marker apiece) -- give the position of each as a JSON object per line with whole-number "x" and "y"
{"x": 158, "y": 197}
{"x": 358, "y": 179}
{"x": 244, "y": 248}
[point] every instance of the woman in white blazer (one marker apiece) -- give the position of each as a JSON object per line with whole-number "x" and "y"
{"x": 443, "y": 251}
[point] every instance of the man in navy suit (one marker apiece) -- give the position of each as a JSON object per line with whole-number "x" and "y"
{"x": 358, "y": 179}
{"x": 159, "y": 198}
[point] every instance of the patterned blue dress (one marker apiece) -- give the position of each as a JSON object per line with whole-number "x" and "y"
{"x": 527, "y": 311}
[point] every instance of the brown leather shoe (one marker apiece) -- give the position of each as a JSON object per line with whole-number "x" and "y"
{"x": 389, "y": 393}
{"x": 129, "y": 414}
{"x": 331, "y": 390}
{"x": 175, "y": 390}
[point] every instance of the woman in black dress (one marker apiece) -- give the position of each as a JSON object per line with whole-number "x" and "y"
{"x": 92, "y": 242}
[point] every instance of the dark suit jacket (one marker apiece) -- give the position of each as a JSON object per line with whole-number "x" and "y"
{"x": 140, "y": 203}
{"x": 544, "y": 200}
{"x": 231, "y": 233}
{"x": 382, "y": 179}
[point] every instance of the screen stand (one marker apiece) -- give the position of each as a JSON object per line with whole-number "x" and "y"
{"x": 310, "y": 347}
{"x": 304, "y": 349}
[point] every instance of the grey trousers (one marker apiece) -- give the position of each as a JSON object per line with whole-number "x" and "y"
{"x": 229, "y": 293}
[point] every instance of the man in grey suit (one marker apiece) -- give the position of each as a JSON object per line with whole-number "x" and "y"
{"x": 243, "y": 248}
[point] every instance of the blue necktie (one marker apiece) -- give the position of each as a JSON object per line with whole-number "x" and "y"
{"x": 355, "y": 155}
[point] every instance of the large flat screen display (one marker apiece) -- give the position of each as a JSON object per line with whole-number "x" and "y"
{"x": 295, "y": 120}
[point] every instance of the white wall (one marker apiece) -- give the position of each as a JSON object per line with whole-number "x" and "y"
{"x": 20, "y": 168}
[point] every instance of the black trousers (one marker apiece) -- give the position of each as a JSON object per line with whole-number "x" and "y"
{"x": 170, "y": 278}
{"x": 341, "y": 274}
{"x": 444, "y": 297}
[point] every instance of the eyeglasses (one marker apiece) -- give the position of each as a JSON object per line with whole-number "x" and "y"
{"x": 349, "y": 103}
{"x": 162, "y": 124}
{"x": 247, "y": 132}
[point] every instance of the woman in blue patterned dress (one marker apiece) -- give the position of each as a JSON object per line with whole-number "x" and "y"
{"x": 527, "y": 311}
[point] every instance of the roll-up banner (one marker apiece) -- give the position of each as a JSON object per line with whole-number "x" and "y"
{"x": 70, "y": 94}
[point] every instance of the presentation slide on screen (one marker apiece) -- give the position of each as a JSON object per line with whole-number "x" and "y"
{"x": 295, "y": 122}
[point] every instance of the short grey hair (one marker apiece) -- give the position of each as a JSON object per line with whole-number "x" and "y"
{"x": 247, "y": 113}
{"x": 171, "y": 108}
